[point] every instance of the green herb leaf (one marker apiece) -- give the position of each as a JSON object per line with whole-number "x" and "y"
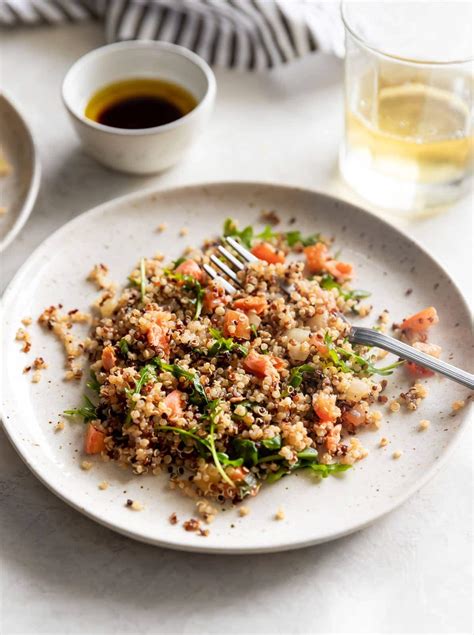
{"x": 245, "y": 236}
{"x": 325, "y": 470}
{"x": 178, "y": 261}
{"x": 225, "y": 345}
{"x": 133, "y": 281}
{"x": 246, "y": 449}
{"x": 273, "y": 477}
{"x": 272, "y": 444}
{"x": 334, "y": 356}
{"x": 328, "y": 282}
{"x": 123, "y": 346}
{"x": 192, "y": 285}
{"x": 267, "y": 233}
{"x": 185, "y": 433}
{"x": 88, "y": 411}
{"x": 367, "y": 366}
{"x": 198, "y": 395}
{"x": 294, "y": 237}
{"x": 296, "y": 374}
{"x": 93, "y": 383}
{"x": 225, "y": 460}
{"x": 308, "y": 454}
{"x": 147, "y": 373}
{"x": 212, "y": 410}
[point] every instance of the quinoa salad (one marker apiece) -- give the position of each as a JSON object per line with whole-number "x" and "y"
{"x": 227, "y": 393}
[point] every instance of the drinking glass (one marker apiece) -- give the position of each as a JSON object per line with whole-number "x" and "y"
{"x": 408, "y": 143}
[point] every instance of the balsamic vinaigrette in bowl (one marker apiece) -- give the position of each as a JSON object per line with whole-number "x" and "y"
{"x": 139, "y": 103}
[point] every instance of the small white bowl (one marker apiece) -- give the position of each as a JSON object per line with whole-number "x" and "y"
{"x": 146, "y": 150}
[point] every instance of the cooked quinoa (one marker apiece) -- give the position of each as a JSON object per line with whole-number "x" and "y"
{"x": 225, "y": 392}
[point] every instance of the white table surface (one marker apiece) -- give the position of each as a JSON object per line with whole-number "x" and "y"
{"x": 61, "y": 573}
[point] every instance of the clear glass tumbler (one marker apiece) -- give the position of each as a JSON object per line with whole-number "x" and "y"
{"x": 408, "y": 143}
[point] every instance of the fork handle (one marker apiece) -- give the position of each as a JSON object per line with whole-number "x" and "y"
{"x": 369, "y": 337}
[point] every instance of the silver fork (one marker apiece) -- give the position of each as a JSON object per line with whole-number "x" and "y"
{"x": 357, "y": 334}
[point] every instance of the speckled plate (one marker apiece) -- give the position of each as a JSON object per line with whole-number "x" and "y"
{"x": 118, "y": 233}
{"x": 19, "y": 188}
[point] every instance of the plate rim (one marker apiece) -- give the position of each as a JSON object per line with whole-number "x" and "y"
{"x": 180, "y": 546}
{"x": 34, "y": 185}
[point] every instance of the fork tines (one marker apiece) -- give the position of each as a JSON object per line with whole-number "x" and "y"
{"x": 233, "y": 260}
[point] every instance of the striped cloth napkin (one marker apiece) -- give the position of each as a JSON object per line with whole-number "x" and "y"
{"x": 241, "y": 34}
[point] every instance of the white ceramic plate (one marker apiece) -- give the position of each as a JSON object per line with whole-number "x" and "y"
{"x": 18, "y": 190}
{"x": 118, "y": 233}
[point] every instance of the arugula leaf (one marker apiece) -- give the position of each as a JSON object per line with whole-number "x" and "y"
{"x": 143, "y": 279}
{"x": 225, "y": 345}
{"x": 178, "y": 261}
{"x": 198, "y": 394}
{"x": 328, "y": 282}
{"x": 133, "y": 281}
{"x": 123, "y": 346}
{"x": 93, "y": 383}
{"x": 296, "y": 374}
{"x": 325, "y": 470}
{"x": 272, "y": 444}
{"x": 322, "y": 470}
{"x": 294, "y": 237}
{"x": 246, "y": 449}
{"x": 334, "y": 356}
{"x": 212, "y": 410}
{"x": 225, "y": 460}
{"x": 208, "y": 443}
{"x": 192, "y": 285}
{"x": 267, "y": 233}
{"x": 245, "y": 236}
{"x": 88, "y": 411}
{"x": 308, "y": 454}
{"x": 184, "y": 433}
{"x": 273, "y": 477}
{"x": 147, "y": 373}
{"x": 366, "y": 365}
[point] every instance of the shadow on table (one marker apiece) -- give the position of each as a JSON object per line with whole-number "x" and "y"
{"x": 55, "y": 548}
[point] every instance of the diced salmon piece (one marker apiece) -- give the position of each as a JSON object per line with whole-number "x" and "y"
{"x": 340, "y": 270}
{"x": 319, "y": 260}
{"x": 156, "y": 337}
{"x": 259, "y": 365}
{"x": 325, "y": 407}
{"x": 237, "y": 474}
{"x": 418, "y": 371}
{"x": 214, "y": 296}
{"x": 319, "y": 344}
{"x": 108, "y": 358}
{"x": 236, "y": 324}
{"x": 191, "y": 268}
{"x": 254, "y": 303}
{"x": 94, "y": 441}
{"x": 265, "y": 251}
{"x": 421, "y": 321}
{"x": 316, "y": 257}
{"x": 278, "y": 362}
{"x": 175, "y": 402}
{"x": 162, "y": 317}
